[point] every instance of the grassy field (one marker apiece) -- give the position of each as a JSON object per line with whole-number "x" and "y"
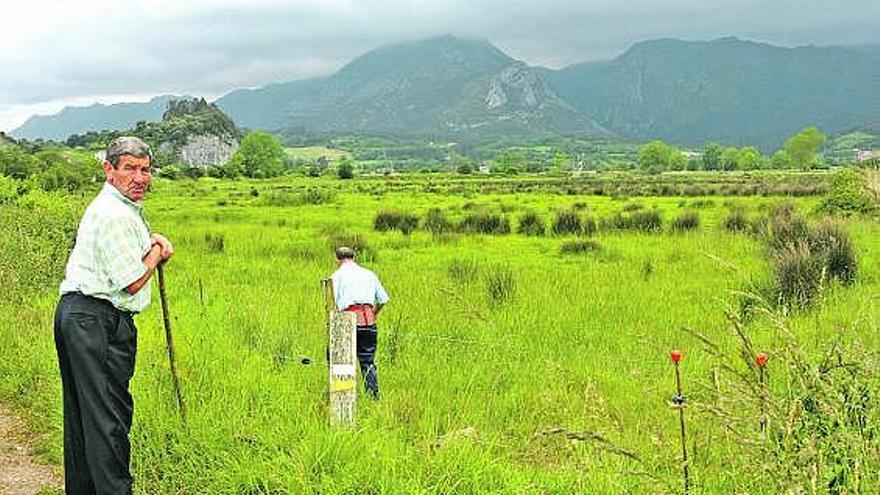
{"x": 506, "y": 365}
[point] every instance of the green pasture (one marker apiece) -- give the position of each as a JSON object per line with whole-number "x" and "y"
{"x": 505, "y": 366}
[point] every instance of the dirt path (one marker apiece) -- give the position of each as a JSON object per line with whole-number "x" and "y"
{"x": 20, "y": 474}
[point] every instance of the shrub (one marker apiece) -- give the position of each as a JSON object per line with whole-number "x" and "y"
{"x": 395, "y": 220}
{"x": 316, "y": 196}
{"x": 797, "y": 273}
{"x": 436, "y": 222}
{"x": 830, "y": 241}
{"x": 785, "y": 226}
{"x": 579, "y": 246}
{"x": 485, "y": 223}
{"x": 216, "y": 242}
{"x": 358, "y": 242}
{"x": 500, "y": 284}
{"x": 642, "y": 220}
{"x": 848, "y": 194}
{"x": 688, "y": 220}
{"x": 589, "y": 226}
{"x": 531, "y": 224}
{"x": 567, "y": 222}
{"x": 463, "y": 270}
{"x": 736, "y": 221}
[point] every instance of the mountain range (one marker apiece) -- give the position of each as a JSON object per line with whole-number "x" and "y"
{"x": 687, "y": 92}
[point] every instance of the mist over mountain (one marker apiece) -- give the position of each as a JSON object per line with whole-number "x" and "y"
{"x": 727, "y": 90}
{"x": 687, "y": 92}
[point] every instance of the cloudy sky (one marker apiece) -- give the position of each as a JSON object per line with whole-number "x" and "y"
{"x": 76, "y": 52}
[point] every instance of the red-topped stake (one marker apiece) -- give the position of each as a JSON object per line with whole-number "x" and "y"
{"x": 678, "y": 400}
{"x": 761, "y": 359}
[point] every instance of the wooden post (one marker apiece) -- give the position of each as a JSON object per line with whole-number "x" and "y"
{"x": 342, "y": 356}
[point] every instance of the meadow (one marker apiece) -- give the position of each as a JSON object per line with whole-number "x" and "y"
{"x": 508, "y": 363}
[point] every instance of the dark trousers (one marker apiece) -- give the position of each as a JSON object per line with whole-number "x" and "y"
{"x": 96, "y": 346}
{"x": 367, "y": 339}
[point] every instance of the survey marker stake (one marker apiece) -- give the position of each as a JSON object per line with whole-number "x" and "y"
{"x": 342, "y": 360}
{"x": 169, "y": 343}
{"x": 761, "y": 361}
{"x": 678, "y": 400}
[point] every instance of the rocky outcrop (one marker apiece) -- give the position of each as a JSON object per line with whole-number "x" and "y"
{"x": 206, "y": 150}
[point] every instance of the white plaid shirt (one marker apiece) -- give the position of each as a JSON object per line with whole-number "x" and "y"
{"x": 112, "y": 239}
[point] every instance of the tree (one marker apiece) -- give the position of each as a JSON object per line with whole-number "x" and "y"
{"x": 658, "y": 156}
{"x": 15, "y": 163}
{"x": 509, "y": 162}
{"x": 728, "y": 159}
{"x": 259, "y": 155}
{"x": 781, "y": 160}
{"x": 711, "y": 158}
{"x": 345, "y": 169}
{"x": 802, "y": 147}
{"x": 748, "y": 158}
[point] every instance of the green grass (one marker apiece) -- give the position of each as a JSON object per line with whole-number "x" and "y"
{"x": 579, "y": 343}
{"x": 311, "y": 153}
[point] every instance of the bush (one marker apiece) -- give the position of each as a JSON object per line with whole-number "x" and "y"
{"x": 797, "y": 273}
{"x": 831, "y": 242}
{"x": 531, "y": 224}
{"x": 500, "y": 284}
{"x": 641, "y": 220}
{"x": 579, "y": 246}
{"x": 358, "y": 242}
{"x": 688, "y": 220}
{"x": 395, "y": 220}
{"x": 216, "y": 242}
{"x": 567, "y": 222}
{"x": 316, "y": 196}
{"x": 736, "y": 221}
{"x": 485, "y": 223}
{"x": 589, "y": 226}
{"x": 436, "y": 222}
{"x": 785, "y": 226}
{"x": 463, "y": 270}
{"x": 848, "y": 194}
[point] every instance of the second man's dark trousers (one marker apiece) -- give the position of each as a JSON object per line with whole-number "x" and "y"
{"x": 367, "y": 340}
{"x": 96, "y": 345}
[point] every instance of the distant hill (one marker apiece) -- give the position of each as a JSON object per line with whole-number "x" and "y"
{"x": 727, "y": 90}
{"x": 441, "y": 86}
{"x": 97, "y": 117}
{"x": 687, "y": 92}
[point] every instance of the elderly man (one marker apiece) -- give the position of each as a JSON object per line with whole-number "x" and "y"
{"x": 107, "y": 282}
{"x": 358, "y": 290}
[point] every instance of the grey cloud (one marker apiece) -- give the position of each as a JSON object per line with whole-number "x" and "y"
{"x": 214, "y": 51}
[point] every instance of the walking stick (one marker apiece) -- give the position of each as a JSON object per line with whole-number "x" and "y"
{"x": 169, "y": 341}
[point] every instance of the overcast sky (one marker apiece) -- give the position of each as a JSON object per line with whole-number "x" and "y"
{"x": 75, "y": 52}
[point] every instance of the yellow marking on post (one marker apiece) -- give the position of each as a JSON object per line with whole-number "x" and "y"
{"x": 342, "y": 384}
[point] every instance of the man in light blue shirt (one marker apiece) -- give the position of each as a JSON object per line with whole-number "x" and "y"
{"x": 358, "y": 290}
{"x": 106, "y": 282}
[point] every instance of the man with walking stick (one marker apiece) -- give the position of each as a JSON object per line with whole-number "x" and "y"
{"x": 358, "y": 290}
{"x": 107, "y": 282}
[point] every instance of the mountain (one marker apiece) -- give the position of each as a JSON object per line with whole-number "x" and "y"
{"x": 96, "y": 117}
{"x": 726, "y": 90}
{"x": 441, "y": 86}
